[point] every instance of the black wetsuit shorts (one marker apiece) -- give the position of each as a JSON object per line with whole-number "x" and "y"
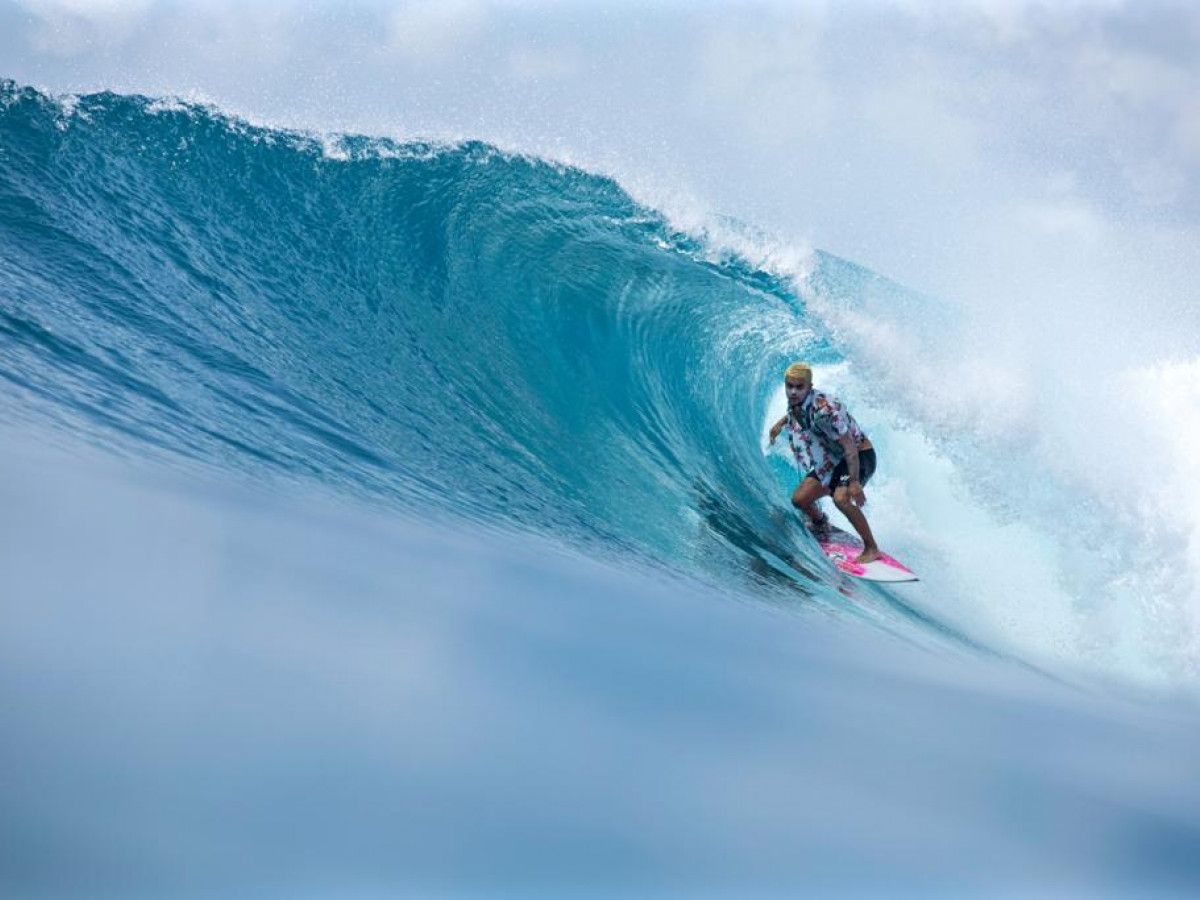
{"x": 841, "y": 472}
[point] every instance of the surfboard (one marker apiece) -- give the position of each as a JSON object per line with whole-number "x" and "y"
{"x": 842, "y": 547}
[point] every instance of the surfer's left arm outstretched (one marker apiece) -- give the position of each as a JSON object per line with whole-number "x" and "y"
{"x": 777, "y": 427}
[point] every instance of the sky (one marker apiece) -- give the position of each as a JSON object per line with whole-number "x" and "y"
{"x": 1038, "y": 156}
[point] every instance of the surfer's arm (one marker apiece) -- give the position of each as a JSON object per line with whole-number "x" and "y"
{"x": 777, "y": 427}
{"x": 850, "y": 449}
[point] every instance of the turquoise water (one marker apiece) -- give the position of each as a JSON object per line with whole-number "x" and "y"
{"x": 448, "y": 330}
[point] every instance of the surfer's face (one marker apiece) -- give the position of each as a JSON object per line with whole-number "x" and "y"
{"x": 797, "y": 389}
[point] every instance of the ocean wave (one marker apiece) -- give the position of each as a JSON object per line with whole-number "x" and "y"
{"x": 493, "y": 338}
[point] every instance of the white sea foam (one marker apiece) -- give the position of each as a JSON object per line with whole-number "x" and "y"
{"x": 1050, "y": 484}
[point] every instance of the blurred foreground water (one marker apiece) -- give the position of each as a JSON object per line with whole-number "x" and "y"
{"x": 208, "y": 690}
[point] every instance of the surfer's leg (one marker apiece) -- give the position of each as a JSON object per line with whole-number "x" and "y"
{"x": 805, "y": 498}
{"x": 841, "y": 497}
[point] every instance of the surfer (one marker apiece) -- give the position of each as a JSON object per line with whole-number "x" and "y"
{"x": 834, "y": 455}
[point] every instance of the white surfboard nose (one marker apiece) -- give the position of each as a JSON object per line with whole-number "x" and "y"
{"x": 842, "y": 548}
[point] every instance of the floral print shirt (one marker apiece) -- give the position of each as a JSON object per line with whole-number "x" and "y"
{"x": 815, "y": 431}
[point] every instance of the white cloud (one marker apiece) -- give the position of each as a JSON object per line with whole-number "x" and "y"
{"x": 1156, "y": 182}
{"x": 918, "y": 112}
{"x": 1062, "y": 218}
{"x": 70, "y": 27}
{"x": 1145, "y": 109}
{"x": 431, "y": 30}
{"x": 1187, "y": 127}
{"x": 536, "y": 64}
{"x": 766, "y": 76}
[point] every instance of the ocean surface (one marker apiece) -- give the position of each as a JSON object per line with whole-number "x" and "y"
{"x": 386, "y": 518}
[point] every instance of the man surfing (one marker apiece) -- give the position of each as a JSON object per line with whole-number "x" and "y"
{"x": 832, "y": 452}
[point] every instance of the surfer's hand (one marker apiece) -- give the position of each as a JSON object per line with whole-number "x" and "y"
{"x": 775, "y": 429}
{"x": 857, "y": 497}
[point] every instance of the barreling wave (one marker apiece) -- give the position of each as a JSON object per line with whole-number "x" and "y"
{"x": 454, "y": 330}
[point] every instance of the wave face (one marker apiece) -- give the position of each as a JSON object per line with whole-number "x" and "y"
{"x": 450, "y": 328}
{"x": 466, "y": 334}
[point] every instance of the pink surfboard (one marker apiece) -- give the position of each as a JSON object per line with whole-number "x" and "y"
{"x": 841, "y": 548}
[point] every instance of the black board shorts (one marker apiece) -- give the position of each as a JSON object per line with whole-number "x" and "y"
{"x": 841, "y": 472}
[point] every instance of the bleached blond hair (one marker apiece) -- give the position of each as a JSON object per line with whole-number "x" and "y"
{"x": 799, "y": 370}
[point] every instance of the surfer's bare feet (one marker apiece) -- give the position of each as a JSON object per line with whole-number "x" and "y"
{"x": 819, "y": 525}
{"x": 869, "y": 555}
